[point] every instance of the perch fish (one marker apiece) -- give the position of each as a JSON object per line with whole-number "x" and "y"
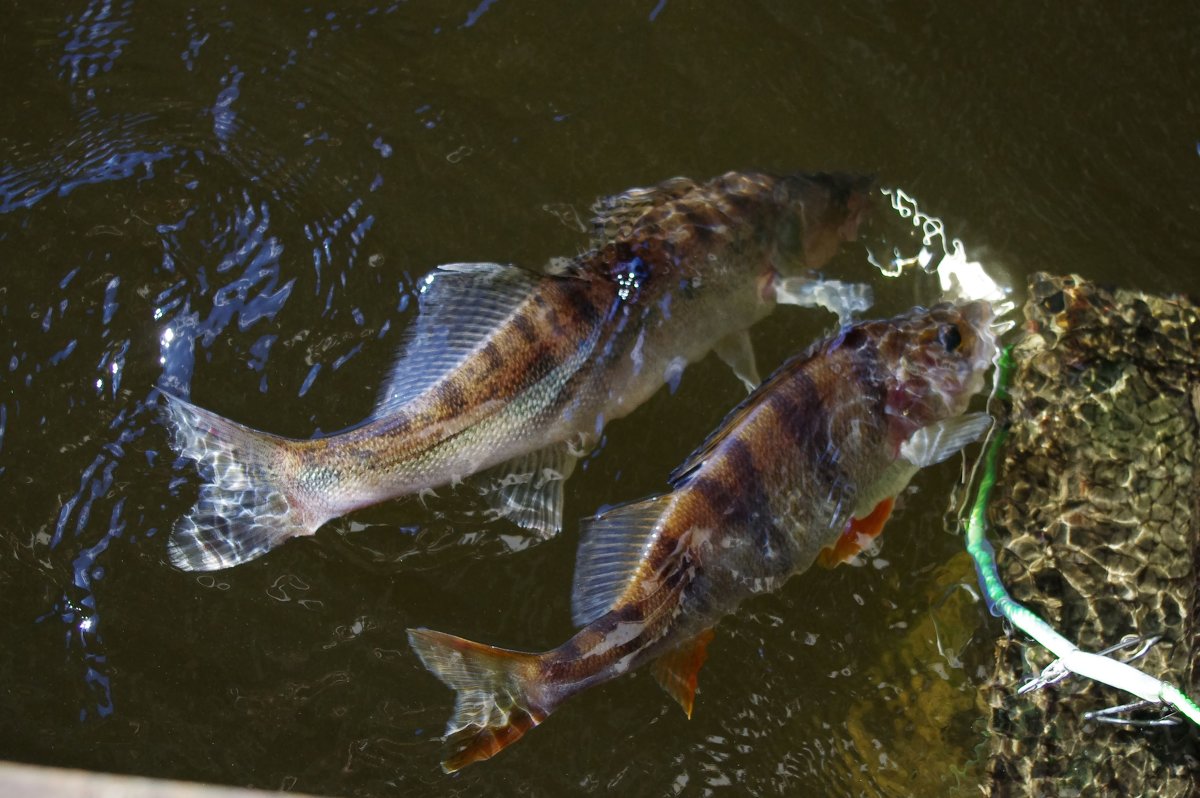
{"x": 510, "y": 375}
{"x": 804, "y": 470}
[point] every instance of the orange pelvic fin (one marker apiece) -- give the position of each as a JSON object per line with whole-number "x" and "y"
{"x": 678, "y": 669}
{"x": 859, "y": 532}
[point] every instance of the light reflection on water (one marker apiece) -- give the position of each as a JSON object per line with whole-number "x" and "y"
{"x": 236, "y": 205}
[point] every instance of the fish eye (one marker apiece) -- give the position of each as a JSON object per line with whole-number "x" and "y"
{"x": 950, "y": 337}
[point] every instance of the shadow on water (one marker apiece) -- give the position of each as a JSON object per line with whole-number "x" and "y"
{"x": 232, "y": 203}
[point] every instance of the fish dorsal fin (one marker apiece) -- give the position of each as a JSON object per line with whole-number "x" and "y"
{"x": 678, "y": 670}
{"x": 734, "y": 418}
{"x": 936, "y": 442}
{"x": 612, "y": 546}
{"x": 680, "y": 475}
{"x": 461, "y": 305}
{"x": 528, "y": 490}
{"x": 616, "y": 216}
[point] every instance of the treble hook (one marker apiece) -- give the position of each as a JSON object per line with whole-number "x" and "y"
{"x": 1112, "y": 715}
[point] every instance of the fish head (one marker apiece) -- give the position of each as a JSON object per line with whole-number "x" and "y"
{"x": 826, "y": 209}
{"x": 936, "y": 360}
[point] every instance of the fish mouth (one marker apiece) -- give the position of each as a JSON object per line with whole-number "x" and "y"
{"x": 981, "y": 317}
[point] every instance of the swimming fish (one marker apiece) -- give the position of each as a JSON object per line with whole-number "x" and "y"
{"x": 802, "y": 470}
{"x": 514, "y": 373}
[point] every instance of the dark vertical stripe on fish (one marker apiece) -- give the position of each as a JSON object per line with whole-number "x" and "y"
{"x": 753, "y": 504}
{"x": 525, "y": 327}
{"x": 451, "y": 398}
{"x": 868, "y": 377}
{"x": 802, "y": 416}
{"x": 579, "y": 300}
{"x": 571, "y": 658}
{"x": 542, "y": 362}
{"x": 491, "y": 358}
{"x": 742, "y": 494}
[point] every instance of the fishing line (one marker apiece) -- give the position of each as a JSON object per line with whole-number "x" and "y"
{"x": 961, "y": 280}
{"x": 1070, "y": 658}
{"x": 965, "y": 280}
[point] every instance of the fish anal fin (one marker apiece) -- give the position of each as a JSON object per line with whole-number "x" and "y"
{"x": 737, "y": 352}
{"x": 859, "y": 532}
{"x": 678, "y": 670}
{"x": 528, "y": 490}
{"x": 611, "y": 551}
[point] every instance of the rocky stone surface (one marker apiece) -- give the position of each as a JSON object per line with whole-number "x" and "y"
{"x": 1096, "y": 522}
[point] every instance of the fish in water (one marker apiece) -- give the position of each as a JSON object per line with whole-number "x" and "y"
{"x": 802, "y": 471}
{"x": 510, "y": 375}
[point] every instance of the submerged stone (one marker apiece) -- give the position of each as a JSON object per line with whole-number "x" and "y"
{"x": 1096, "y": 522}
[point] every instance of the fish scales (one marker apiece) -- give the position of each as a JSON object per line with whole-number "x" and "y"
{"x": 531, "y": 347}
{"x": 803, "y": 462}
{"x": 766, "y": 494}
{"x": 511, "y": 375}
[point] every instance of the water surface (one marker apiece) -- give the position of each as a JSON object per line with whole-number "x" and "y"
{"x": 234, "y": 201}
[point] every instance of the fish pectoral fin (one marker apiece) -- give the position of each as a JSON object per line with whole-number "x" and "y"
{"x": 612, "y": 546}
{"x": 842, "y": 299}
{"x": 859, "y": 533}
{"x": 528, "y": 490}
{"x": 737, "y": 352}
{"x": 933, "y": 444}
{"x": 460, "y": 306}
{"x": 927, "y": 446}
{"x": 678, "y": 670}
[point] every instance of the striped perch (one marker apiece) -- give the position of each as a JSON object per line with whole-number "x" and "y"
{"x": 805, "y": 470}
{"x": 511, "y": 375}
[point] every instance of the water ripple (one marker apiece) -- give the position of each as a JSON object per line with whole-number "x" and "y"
{"x": 105, "y": 149}
{"x": 97, "y": 39}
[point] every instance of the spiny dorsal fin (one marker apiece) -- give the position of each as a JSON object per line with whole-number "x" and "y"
{"x": 616, "y": 216}
{"x": 461, "y": 305}
{"x": 612, "y": 547}
{"x": 735, "y": 417}
{"x": 678, "y": 670}
{"x": 528, "y": 490}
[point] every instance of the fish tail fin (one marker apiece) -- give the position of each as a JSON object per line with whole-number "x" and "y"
{"x": 243, "y": 509}
{"x": 493, "y": 708}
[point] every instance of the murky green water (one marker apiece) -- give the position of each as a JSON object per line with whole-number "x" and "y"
{"x": 234, "y": 201}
